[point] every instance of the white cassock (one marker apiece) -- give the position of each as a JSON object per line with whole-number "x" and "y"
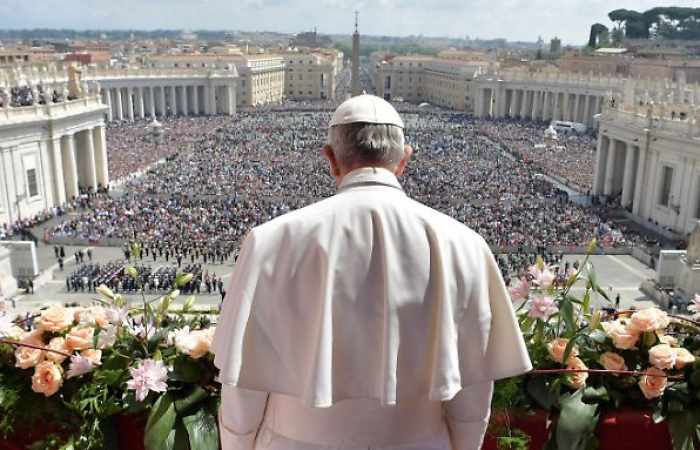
{"x": 366, "y": 320}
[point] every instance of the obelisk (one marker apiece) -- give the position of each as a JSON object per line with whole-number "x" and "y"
{"x": 356, "y": 59}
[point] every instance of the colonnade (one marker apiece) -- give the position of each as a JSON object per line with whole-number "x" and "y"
{"x": 58, "y": 165}
{"x": 138, "y": 102}
{"x": 78, "y": 159}
{"x": 538, "y": 103}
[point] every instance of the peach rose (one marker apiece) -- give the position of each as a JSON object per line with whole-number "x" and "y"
{"x": 557, "y": 348}
{"x": 26, "y": 357}
{"x": 196, "y": 343}
{"x": 58, "y": 344}
{"x": 612, "y": 361}
{"x": 576, "y": 380}
{"x": 94, "y": 356}
{"x": 683, "y": 358}
{"x": 94, "y": 315}
{"x": 80, "y": 338}
{"x": 653, "y": 383}
{"x": 622, "y": 336}
{"x": 55, "y": 319}
{"x": 649, "y": 319}
{"x": 47, "y": 378}
{"x": 662, "y": 356}
{"x": 670, "y": 340}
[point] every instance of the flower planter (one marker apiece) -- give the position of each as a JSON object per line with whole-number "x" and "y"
{"x": 131, "y": 429}
{"x": 624, "y": 429}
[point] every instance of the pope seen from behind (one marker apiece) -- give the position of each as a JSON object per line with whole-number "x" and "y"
{"x": 366, "y": 320}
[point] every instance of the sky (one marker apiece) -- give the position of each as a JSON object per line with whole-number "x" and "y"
{"x": 510, "y": 19}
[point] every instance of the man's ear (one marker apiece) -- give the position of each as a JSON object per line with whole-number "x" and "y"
{"x": 327, "y": 151}
{"x": 401, "y": 167}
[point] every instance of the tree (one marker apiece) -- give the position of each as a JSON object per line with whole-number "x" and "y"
{"x": 596, "y": 30}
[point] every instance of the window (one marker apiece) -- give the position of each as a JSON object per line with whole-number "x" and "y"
{"x": 32, "y": 185}
{"x": 666, "y": 182}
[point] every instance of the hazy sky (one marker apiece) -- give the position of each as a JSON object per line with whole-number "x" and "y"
{"x": 512, "y": 19}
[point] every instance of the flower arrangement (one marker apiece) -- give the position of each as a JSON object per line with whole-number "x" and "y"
{"x": 77, "y": 368}
{"x": 590, "y": 360}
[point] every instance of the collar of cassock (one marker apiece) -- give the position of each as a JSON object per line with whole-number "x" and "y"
{"x": 369, "y": 176}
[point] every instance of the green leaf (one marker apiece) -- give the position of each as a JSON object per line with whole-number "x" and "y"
{"x": 178, "y": 439}
{"x": 683, "y": 426}
{"x": 186, "y": 369}
{"x": 577, "y": 422}
{"x": 595, "y": 395}
{"x": 540, "y": 391}
{"x": 567, "y": 313}
{"x": 202, "y": 430}
{"x": 184, "y": 405}
{"x": 161, "y": 423}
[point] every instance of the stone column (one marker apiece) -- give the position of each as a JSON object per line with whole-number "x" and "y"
{"x": 650, "y": 186}
{"x": 163, "y": 107}
{"x": 535, "y": 99}
{"x": 556, "y": 111}
{"x": 108, "y": 101}
{"x": 231, "y": 94}
{"x": 130, "y": 103}
{"x": 587, "y": 111}
{"x": 57, "y": 165}
{"x": 640, "y": 182}
{"x": 89, "y": 153}
{"x": 684, "y": 195}
{"x": 628, "y": 176}
{"x": 70, "y": 168}
{"x": 195, "y": 99}
{"x": 185, "y": 105}
{"x": 211, "y": 99}
{"x": 140, "y": 104}
{"x": 610, "y": 168}
{"x": 173, "y": 100}
{"x": 562, "y": 108}
{"x": 100, "y": 145}
{"x": 152, "y": 103}
{"x": 120, "y": 109}
{"x": 600, "y": 161}
{"x": 9, "y": 184}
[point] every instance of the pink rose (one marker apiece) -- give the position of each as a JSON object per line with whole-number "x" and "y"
{"x": 557, "y": 348}
{"x": 650, "y": 319}
{"x": 194, "y": 343}
{"x": 47, "y": 378}
{"x": 576, "y": 380}
{"x": 612, "y": 361}
{"x": 653, "y": 383}
{"x": 80, "y": 338}
{"x": 683, "y": 358}
{"x": 58, "y": 344}
{"x": 55, "y": 319}
{"x": 662, "y": 356}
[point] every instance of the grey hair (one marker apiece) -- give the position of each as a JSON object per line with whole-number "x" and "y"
{"x": 367, "y": 143}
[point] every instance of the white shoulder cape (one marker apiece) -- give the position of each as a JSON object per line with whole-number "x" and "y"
{"x": 323, "y": 322}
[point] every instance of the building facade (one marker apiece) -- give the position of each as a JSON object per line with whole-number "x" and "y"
{"x": 442, "y": 82}
{"x": 260, "y": 76}
{"x": 312, "y": 75}
{"x": 648, "y": 156}
{"x": 48, "y": 152}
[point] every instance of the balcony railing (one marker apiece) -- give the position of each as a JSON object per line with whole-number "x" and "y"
{"x": 41, "y": 112}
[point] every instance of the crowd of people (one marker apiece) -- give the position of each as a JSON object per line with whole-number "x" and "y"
{"x": 223, "y": 175}
{"x": 568, "y": 157}
{"x": 88, "y": 277}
